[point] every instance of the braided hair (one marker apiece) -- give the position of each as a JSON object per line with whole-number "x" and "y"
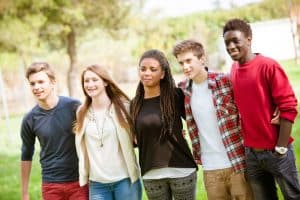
{"x": 167, "y": 93}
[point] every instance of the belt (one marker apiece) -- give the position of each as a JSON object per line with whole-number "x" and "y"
{"x": 258, "y": 149}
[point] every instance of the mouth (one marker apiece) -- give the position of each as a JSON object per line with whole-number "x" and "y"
{"x": 233, "y": 54}
{"x": 38, "y": 94}
{"x": 146, "y": 80}
{"x": 187, "y": 73}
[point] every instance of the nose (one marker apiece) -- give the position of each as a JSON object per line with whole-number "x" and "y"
{"x": 230, "y": 45}
{"x": 89, "y": 84}
{"x": 35, "y": 86}
{"x": 147, "y": 72}
{"x": 186, "y": 66}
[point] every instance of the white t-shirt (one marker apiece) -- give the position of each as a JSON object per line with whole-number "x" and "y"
{"x": 107, "y": 163}
{"x": 213, "y": 152}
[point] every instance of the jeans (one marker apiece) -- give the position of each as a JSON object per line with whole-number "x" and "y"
{"x": 119, "y": 190}
{"x": 266, "y": 167}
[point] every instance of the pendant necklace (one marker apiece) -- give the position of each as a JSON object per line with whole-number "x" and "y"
{"x": 100, "y": 133}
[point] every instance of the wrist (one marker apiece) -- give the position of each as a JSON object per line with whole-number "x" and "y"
{"x": 281, "y": 150}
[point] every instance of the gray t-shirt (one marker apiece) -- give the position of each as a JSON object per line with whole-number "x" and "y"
{"x": 53, "y": 128}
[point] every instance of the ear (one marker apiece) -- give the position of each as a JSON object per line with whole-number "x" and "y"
{"x": 105, "y": 84}
{"x": 249, "y": 40}
{"x": 203, "y": 59}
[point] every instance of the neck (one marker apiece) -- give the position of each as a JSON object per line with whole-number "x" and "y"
{"x": 201, "y": 77}
{"x": 249, "y": 57}
{"x": 101, "y": 102}
{"x": 49, "y": 103}
{"x": 151, "y": 92}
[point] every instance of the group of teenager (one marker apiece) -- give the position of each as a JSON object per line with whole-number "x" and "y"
{"x": 88, "y": 149}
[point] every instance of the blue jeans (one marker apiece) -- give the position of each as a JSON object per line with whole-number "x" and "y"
{"x": 266, "y": 167}
{"x": 120, "y": 190}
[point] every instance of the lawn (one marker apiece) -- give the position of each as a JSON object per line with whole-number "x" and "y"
{"x": 10, "y": 150}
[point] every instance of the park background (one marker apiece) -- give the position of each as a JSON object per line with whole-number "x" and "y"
{"x": 71, "y": 34}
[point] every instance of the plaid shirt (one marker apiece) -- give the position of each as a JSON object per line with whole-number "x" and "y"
{"x": 228, "y": 119}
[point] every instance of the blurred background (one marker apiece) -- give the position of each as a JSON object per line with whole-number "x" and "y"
{"x": 71, "y": 34}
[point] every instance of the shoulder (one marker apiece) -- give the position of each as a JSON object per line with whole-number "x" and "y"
{"x": 179, "y": 95}
{"x": 267, "y": 61}
{"x": 214, "y": 77}
{"x": 31, "y": 113}
{"x": 178, "y": 91}
{"x": 183, "y": 84}
{"x": 28, "y": 119}
{"x": 69, "y": 102}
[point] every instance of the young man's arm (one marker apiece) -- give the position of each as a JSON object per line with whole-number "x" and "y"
{"x": 25, "y": 174}
{"x": 284, "y": 132}
{"x": 27, "y": 150}
{"x": 286, "y": 101}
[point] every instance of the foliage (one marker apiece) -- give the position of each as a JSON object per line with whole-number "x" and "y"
{"x": 58, "y": 23}
{"x": 204, "y": 26}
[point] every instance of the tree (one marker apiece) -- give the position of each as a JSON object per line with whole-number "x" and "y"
{"x": 62, "y": 21}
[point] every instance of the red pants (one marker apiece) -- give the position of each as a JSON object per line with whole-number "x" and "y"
{"x": 64, "y": 191}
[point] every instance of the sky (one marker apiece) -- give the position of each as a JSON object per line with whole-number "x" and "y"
{"x": 173, "y": 8}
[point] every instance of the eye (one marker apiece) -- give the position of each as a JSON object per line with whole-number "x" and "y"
{"x": 142, "y": 69}
{"x": 153, "y": 69}
{"x": 86, "y": 80}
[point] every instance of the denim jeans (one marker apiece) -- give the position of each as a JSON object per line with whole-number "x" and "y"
{"x": 266, "y": 167}
{"x": 120, "y": 190}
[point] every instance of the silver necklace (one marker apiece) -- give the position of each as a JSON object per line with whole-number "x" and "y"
{"x": 100, "y": 133}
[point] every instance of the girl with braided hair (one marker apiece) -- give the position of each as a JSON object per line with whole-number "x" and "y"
{"x": 167, "y": 165}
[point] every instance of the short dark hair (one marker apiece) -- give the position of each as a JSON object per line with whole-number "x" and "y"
{"x": 38, "y": 67}
{"x": 238, "y": 25}
{"x": 189, "y": 45}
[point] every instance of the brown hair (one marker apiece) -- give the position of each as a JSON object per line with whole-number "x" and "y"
{"x": 38, "y": 67}
{"x": 189, "y": 45}
{"x": 116, "y": 95}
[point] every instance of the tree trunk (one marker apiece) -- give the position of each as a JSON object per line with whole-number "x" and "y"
{"x": 72, "y": 72}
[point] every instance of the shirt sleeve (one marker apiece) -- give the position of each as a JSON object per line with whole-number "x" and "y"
{"x": 28, "y": 140}
{"x": 283, "y": 95}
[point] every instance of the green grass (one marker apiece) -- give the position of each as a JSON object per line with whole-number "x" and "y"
{"x": 10, "y": 151}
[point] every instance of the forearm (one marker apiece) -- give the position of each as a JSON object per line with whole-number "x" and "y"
{"x": 284, "y": 132}
{"x": 25, "y": 174}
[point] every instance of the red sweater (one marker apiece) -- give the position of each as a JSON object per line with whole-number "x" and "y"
{"x": 259, "y": 86}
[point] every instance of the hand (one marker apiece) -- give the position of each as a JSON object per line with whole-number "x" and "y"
{"x": 276, "y": 117}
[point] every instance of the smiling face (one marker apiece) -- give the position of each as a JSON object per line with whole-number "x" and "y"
{"x": 150, "y": 73}
{"x": 41, "y": 85}
{"x": 192, "y": 66}
{"x": 93, "y": 84}
{"x": 238, "y": 46}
